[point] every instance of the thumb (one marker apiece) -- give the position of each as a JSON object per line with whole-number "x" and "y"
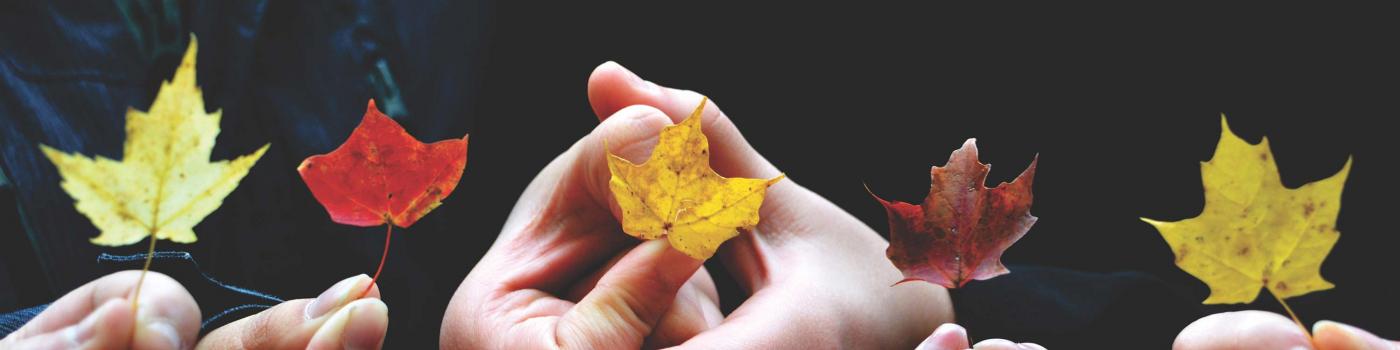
{"x": 612, "y": 88}
{"x": 334, "y": 319}
{"x": 99, "y": 315}
{"x": 1328, "y": 335}
{"x": 1229, "y": 330}
{"x": 629, "y": 300}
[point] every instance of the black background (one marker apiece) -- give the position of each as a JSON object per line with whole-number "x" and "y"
{"x": 1120, "y": 103}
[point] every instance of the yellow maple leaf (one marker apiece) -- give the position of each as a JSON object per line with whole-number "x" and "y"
{"x": 676, "y": 194}
{"x": 1253, "y": 231}
{"x": 165, "y": 183}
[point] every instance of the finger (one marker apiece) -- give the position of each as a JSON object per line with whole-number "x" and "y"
{"x": 566, "y": 222}
{"x": 166, "y": 316}
{"x": 612, "y": 88}
{"x": 949, "y": 336}
{"x": 997, "y": 344}
{"x": 107, "y": 327}
{"x": 359, "y": 325}
{"x": 1328, "y": 335}
{"x": 625, "y": 305}
{"x": 292, "y": 324}
{"x": 1242, "y": 330}
{"x": 695, "y": 309}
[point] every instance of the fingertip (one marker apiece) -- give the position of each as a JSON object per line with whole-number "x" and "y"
{"x": 612, "y": 87}
{"x": 631, "y": 296}
{"x": 996, "y": 344}
{"x": 1335, "y": 335}
{"x": 631, "y": 134}
{"x": 1223, "y": 330}
{"x": 361, "y": 324}
{"x": 946, "y": 336}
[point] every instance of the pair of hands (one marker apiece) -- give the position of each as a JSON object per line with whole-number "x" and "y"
{"x": 562, "y": 274}
{"x": 99, "y": 315}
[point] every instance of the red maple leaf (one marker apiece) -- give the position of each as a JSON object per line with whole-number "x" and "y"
{"x": 960, "y": 231}
{"x": 381, "y": 175}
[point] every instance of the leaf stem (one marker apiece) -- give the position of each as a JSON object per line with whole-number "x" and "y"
{"x": 1291, "y": 314}
{"x": 389, "y": 233}
{"x": 150, "y": 253}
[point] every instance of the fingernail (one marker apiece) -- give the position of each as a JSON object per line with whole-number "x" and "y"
{"x": 367, "y": 325}
{"x": 360, "y": 325}
{"x": 166, "y": 331}
{"x": 153, "y": 327}
{"x": 1355, "y": 337}
{"x": 336, "y": 295}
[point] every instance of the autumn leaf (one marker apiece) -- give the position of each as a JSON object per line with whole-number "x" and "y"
{"x": 382, "y": 175}
{"x": 960, "y": 231}
{"x": 1254, "y": 232}
{"x": 676, "y": 194}
{"x": 165, "y": 184}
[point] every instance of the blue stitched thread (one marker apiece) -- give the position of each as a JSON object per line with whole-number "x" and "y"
{"x": 185, "y": 256}
{"x": 10, "y": 322}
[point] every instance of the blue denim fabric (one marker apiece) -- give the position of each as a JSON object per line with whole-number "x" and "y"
{"x": 11, "y": 322}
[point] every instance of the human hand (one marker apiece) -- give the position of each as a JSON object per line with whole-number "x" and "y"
{"x": 99, "y": 315}
{"x": 817, "y": 275}
{"x": 340, "y": 318}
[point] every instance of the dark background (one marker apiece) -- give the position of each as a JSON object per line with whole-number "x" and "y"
{"x": 1120, "y": 103}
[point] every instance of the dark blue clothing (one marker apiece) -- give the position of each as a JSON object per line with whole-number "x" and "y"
{"x": 296, "y": 74}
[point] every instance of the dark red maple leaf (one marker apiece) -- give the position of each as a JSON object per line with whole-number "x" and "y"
{"x": 381, "y": 175}
{"x": 960, "y": 231}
